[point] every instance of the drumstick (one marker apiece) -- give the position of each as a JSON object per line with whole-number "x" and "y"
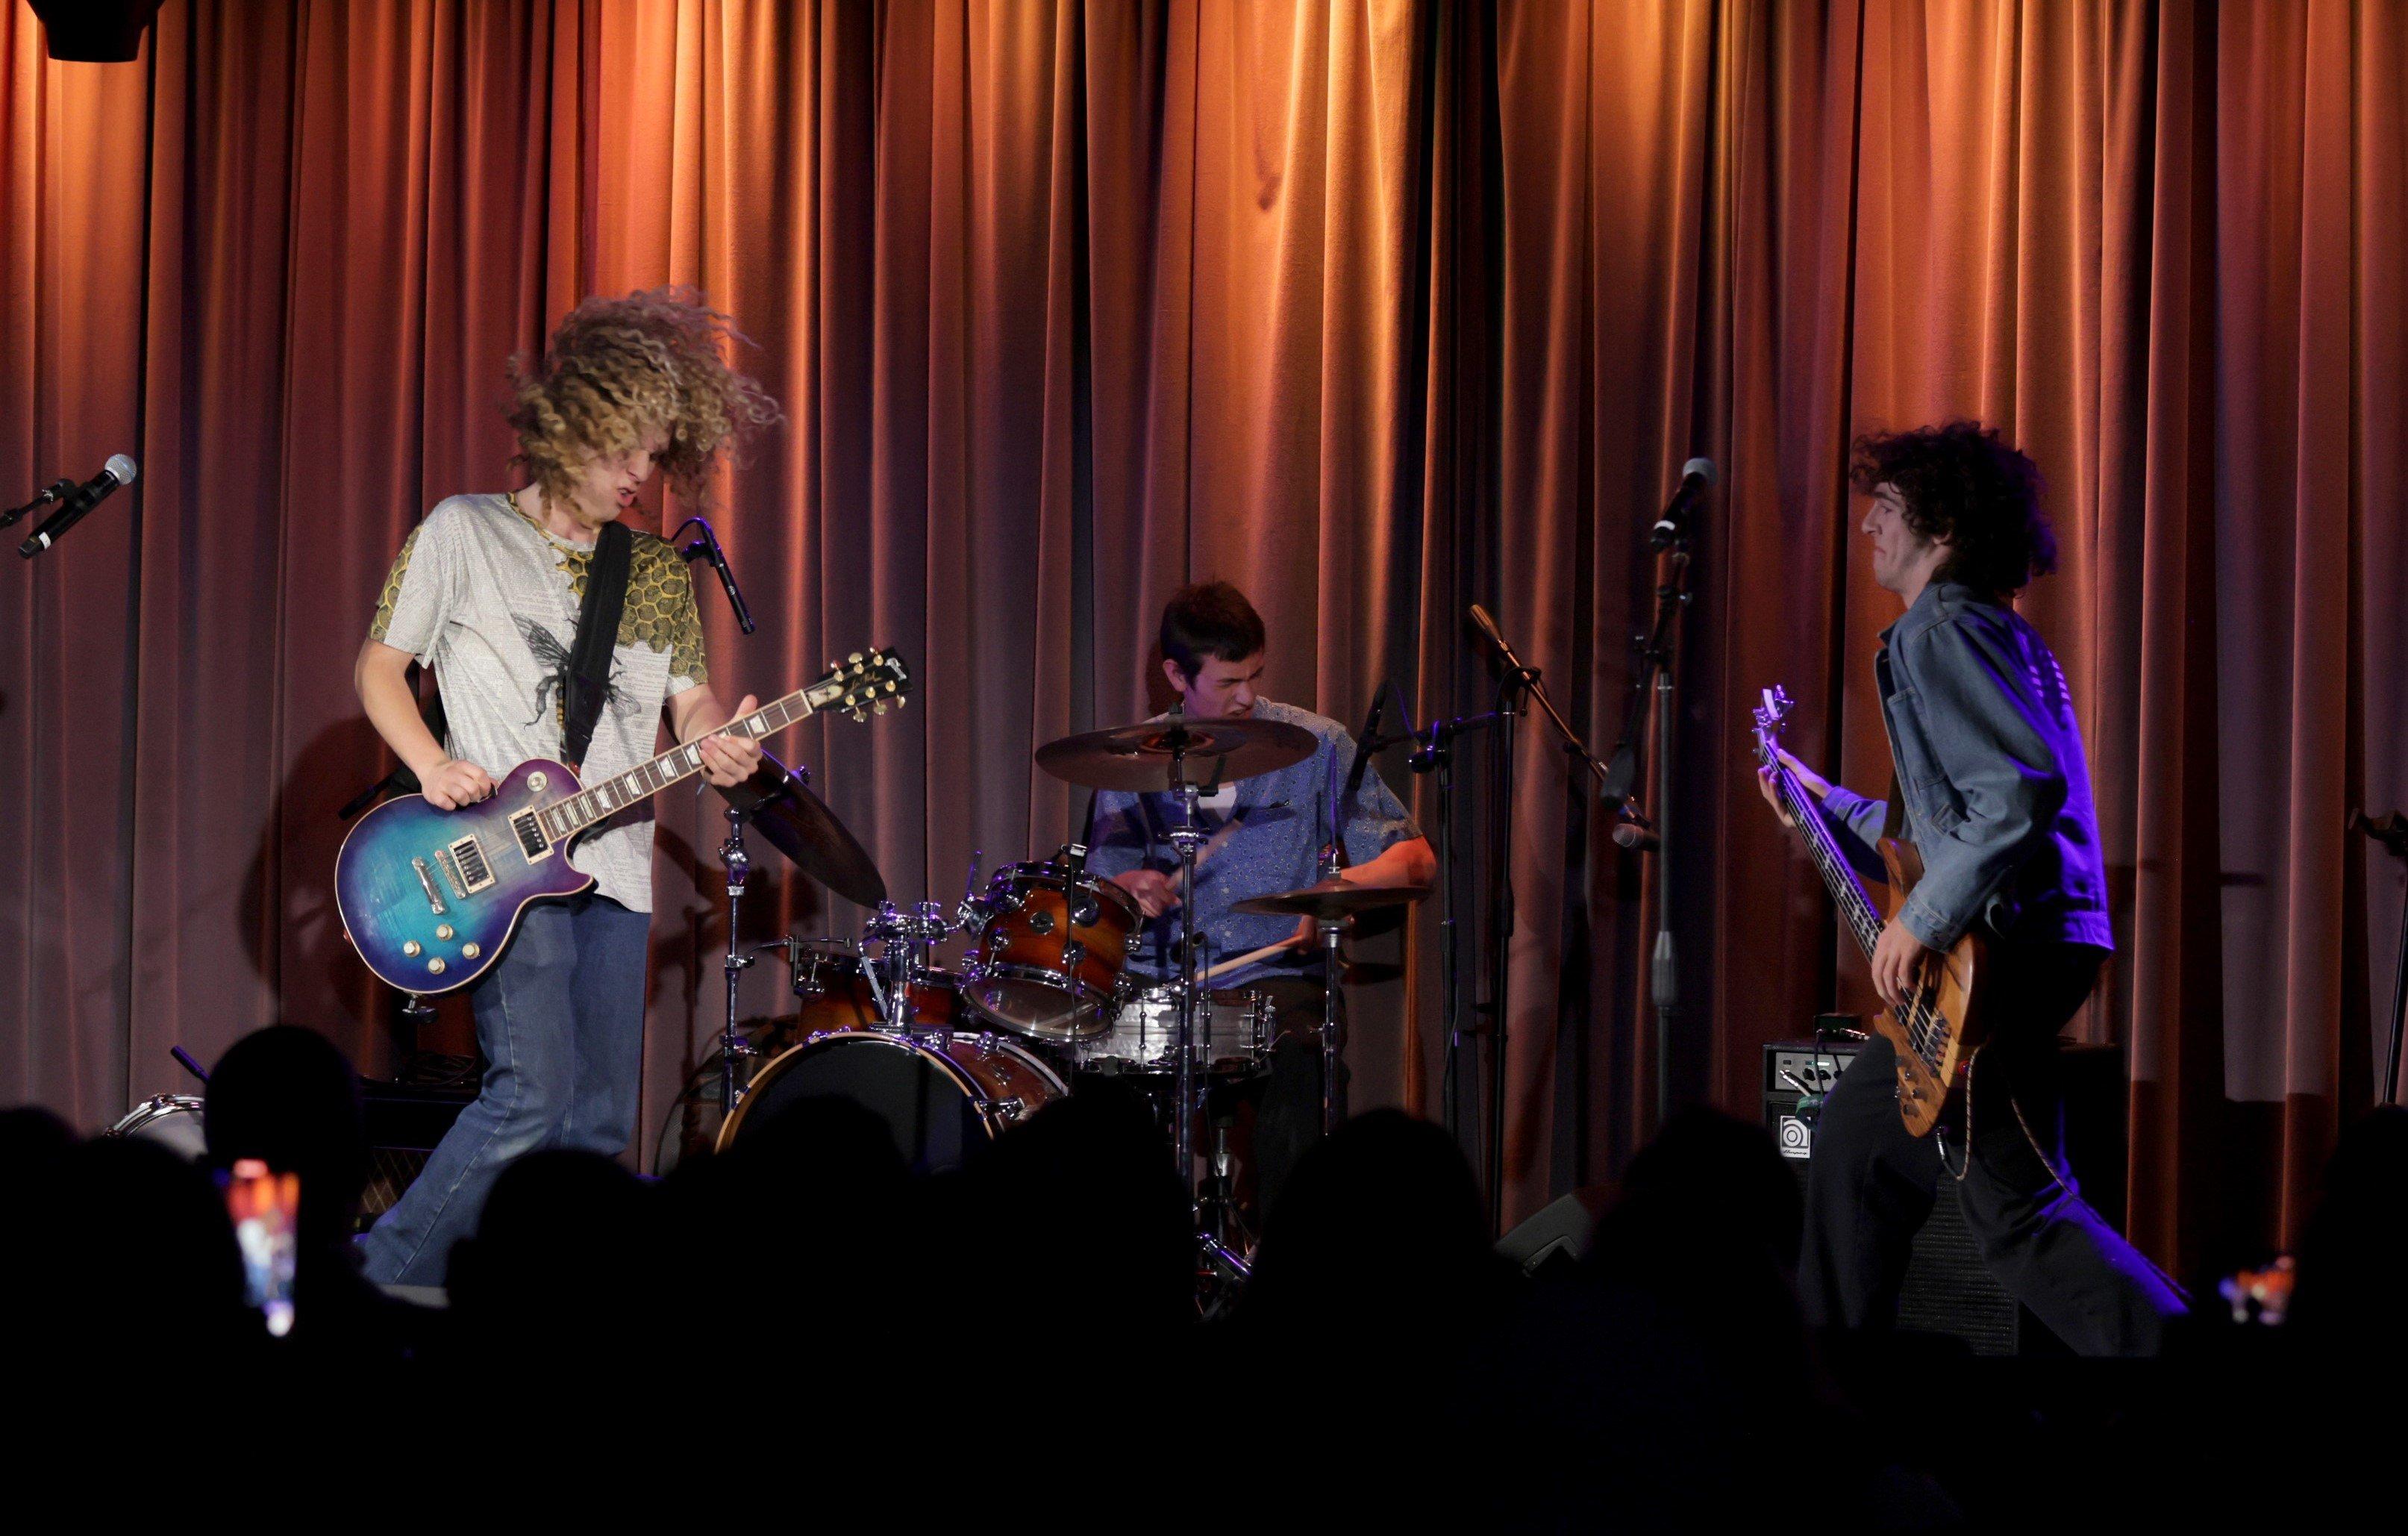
{"x": 1249, "y": 957}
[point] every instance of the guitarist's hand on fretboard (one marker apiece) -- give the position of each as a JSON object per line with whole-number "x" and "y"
{"x": 729, "y": 760}
{"x": 1808, "y": 779}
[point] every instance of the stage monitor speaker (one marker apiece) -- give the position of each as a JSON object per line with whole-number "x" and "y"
{"x": 1948, "y": 1290}
{"x": 1550, "y": 1242}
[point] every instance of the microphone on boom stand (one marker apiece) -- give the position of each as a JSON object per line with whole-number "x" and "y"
{"x": 707, "y": 547}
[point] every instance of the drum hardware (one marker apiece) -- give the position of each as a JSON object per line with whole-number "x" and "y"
{"x": 732, "y": 1044}
{"x": 1218, "y": 1255}
{"x": 173, "y": 1121}
{"x": 1329, "y": 901}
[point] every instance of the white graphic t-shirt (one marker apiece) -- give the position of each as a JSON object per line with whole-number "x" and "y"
{"x": 489, "y": 601}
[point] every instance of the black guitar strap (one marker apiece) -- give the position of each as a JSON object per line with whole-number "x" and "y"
{"x": 587, "y": 683}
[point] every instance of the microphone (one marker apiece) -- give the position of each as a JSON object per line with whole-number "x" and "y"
{"x": 1696, "y": 478}
{"x": 1636, "y": 837}
{"x": 48, "y": 494}
{"x": 707, "y": 547}
{"x": 1496, "y": 638}
{"x": 1365, "y": 745}
{"x": 83, "y": 499}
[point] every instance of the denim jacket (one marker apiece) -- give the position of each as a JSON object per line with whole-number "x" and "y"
{"x": 1990, "y": 763}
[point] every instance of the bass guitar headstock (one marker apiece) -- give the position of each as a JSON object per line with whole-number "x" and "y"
{"x": 1770, "y": 715}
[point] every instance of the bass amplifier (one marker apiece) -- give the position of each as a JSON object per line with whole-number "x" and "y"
{"x": 1948, "y": 1290}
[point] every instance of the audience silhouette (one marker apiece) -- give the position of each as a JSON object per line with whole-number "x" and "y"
{"x": 1051, "y": 1283}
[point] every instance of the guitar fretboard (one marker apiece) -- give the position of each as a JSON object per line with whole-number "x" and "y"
{"x": 564, "y": 819}
{"x": 1847, "y": 891}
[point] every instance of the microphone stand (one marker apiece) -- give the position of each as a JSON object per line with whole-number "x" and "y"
{"x": 1517, "y": 688}
{"x": 1652, "y": 688}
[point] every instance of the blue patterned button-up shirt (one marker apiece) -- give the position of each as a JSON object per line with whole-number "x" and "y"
{"x": 1266, "y": 842}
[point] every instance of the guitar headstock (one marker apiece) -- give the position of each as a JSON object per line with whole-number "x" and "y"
{"x": 862, "y": 684}
{"x": 1775, "y": 708}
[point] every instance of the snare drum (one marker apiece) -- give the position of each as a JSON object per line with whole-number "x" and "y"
{"x": 172, "y": 1121}
{"x": 940, "y": 1095}
{"x": 1233, "y": 1034}
{"x": 1051, "y": 953}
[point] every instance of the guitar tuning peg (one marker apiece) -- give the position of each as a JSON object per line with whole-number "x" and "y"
{"x": 854, "y": 658}
{"x": 879, "y": 708}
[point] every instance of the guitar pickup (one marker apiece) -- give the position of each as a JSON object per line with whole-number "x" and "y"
{"x": 533, "y": 842}
{"x": 427, "y": 883}
{"x": 468, "y": 858}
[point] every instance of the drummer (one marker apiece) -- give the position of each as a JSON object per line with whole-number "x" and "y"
{"x": 1264, "y": 833}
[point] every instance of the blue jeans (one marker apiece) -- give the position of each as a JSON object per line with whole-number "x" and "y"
{"x": 561, "y": 1022}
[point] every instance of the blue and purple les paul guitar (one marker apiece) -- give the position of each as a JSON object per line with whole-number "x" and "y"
{"x": 430, "y": 897}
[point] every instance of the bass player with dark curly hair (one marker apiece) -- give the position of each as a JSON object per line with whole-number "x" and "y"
{"x": 1993, "y": 794}
{"x": 488, "y": 591}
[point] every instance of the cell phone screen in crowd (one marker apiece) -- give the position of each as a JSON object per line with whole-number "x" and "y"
{"x": 266, "y": 1212}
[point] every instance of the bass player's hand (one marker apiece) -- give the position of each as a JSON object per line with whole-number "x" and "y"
{"x": 1902, "y": 966}
{"x": 1816, "y": 785}
{"x": 452, "y": 783}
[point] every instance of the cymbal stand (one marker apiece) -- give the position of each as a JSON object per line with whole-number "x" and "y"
{"x": 1188, "y": 839}
{"x": 732, "y": 1043}
{"x": 1329, "y": 930}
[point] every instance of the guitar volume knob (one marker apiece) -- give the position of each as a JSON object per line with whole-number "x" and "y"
{"x": 435, "y": 966}
{"x": 470, "y": 950}
{"x": 410, "y": 948}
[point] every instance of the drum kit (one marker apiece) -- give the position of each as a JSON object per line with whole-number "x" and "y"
{"x": 950, "y": 1058}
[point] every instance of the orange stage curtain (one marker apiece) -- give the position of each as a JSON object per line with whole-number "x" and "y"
{"x": 1377, "y": 309}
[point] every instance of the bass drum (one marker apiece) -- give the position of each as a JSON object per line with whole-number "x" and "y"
{"x": 171, "y": 1120}
{"x": 940, "y": 1095}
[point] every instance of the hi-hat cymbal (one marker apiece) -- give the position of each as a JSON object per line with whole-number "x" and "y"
{"x": 1137, "y": 758}
{"x": 799, "y": 825}
{"x": 1331, "y": 899}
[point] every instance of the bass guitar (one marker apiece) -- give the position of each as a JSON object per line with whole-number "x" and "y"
{"x": 430, "y": 897}
{"x": 1936, "y": 1030}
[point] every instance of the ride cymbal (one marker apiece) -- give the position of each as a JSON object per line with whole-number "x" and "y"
{"x": 1331, "y": 899}
{"x": 1137, "y": 759}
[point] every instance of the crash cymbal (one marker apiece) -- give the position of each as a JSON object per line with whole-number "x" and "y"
{"x": 799, "y": 825}
{"x": 1331, "y": 899}
{"x": 1137, "y": 758}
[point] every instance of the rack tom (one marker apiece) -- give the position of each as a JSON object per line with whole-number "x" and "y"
{"x": 834, "y": 990}
{"x": 1051, "y": 950}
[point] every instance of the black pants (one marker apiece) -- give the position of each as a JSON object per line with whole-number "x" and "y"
{"x": 1872, "y": 1185}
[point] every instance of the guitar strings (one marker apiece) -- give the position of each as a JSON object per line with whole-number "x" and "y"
{"x": 1924, "y": 1027}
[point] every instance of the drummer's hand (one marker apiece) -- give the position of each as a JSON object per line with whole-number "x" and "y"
{"x": 730, "y": 759}
{"x": 1155, "y": 892}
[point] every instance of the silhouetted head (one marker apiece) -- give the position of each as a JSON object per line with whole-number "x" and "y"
{"x": 1379, "y": 1223}
{"x": 289, "y": 1097}
{"x": 123, "y": 1258}
{"x": 552, "y": 1242}
{"x": 1080, "y": 1218}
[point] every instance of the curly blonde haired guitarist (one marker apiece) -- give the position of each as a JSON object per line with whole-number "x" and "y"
{"x": 487, "y": 592}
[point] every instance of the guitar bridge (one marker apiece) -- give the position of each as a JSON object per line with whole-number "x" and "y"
{"x": 427, "y": 883}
